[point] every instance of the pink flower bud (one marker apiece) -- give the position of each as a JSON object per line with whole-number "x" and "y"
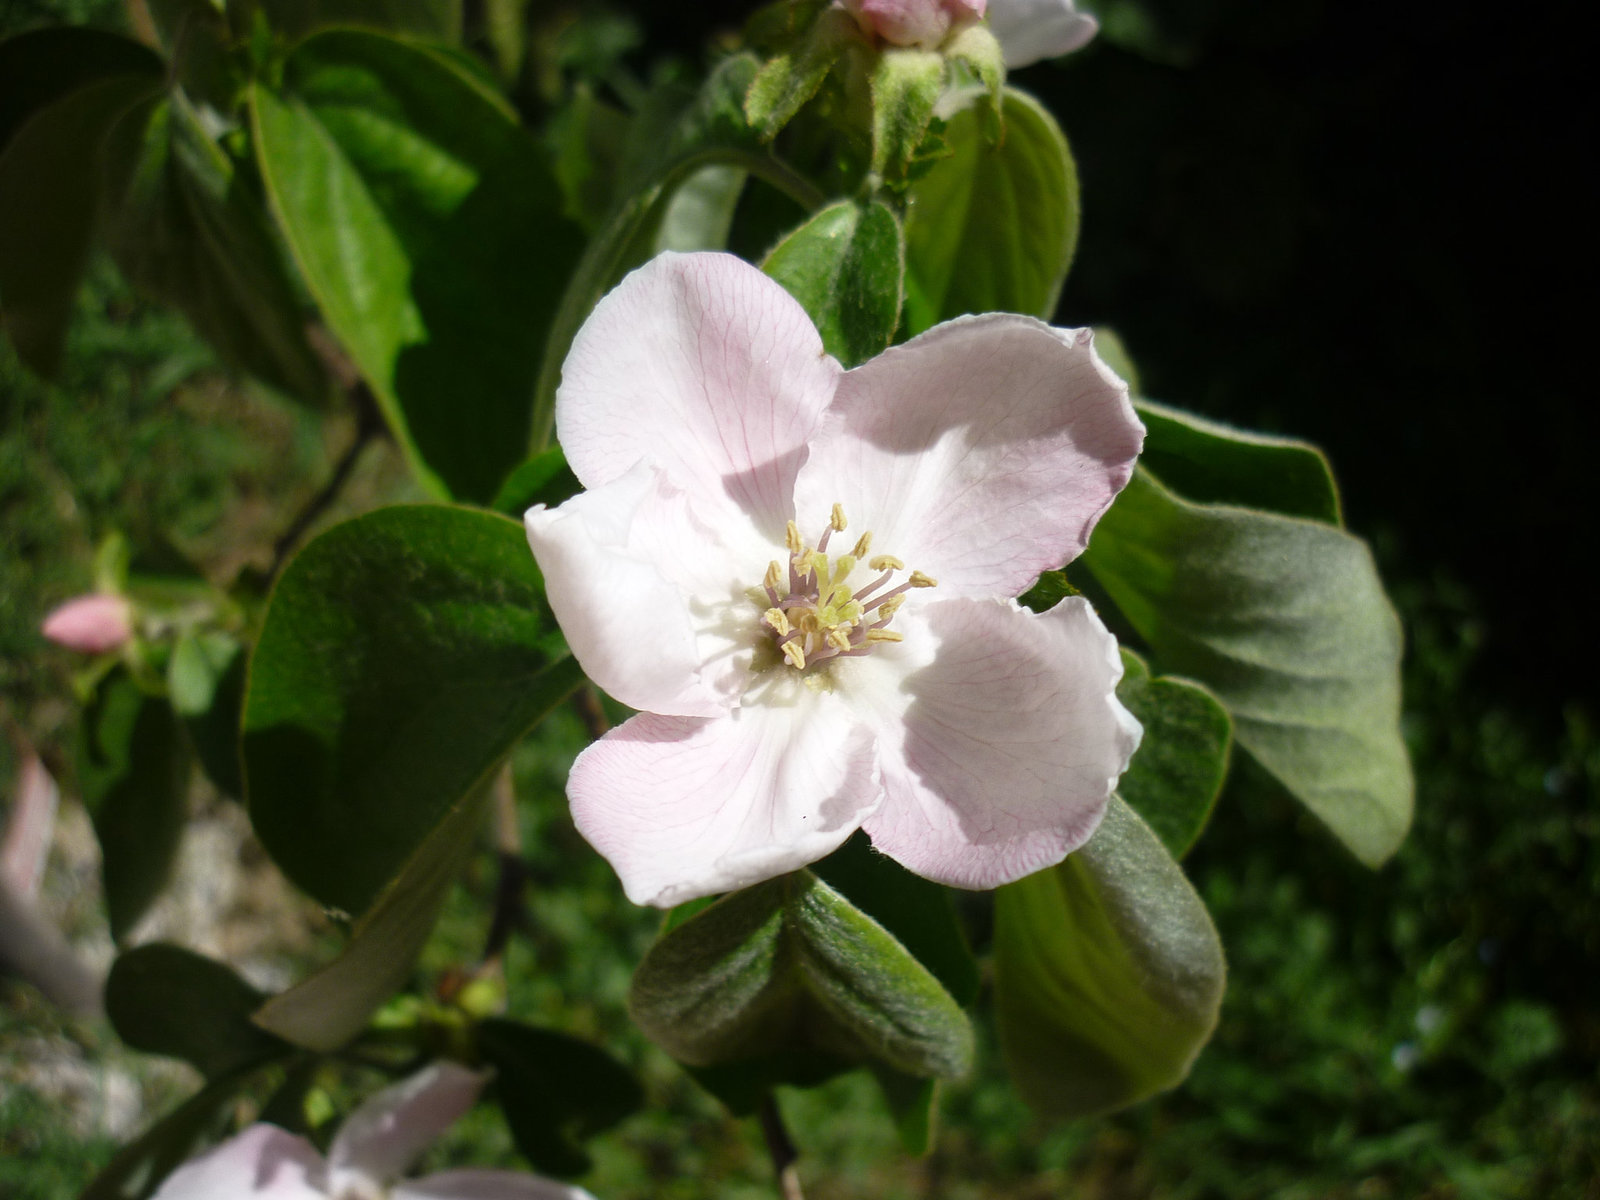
{"x": 923, "y": 23}
{"x": 90, "y": 624}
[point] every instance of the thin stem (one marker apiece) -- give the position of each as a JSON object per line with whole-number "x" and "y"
{"x": 368, "y": 425}
{"x": 782, "y": 1150}
{"x": 587, "y": 703}
{"x": 509, "y": 910}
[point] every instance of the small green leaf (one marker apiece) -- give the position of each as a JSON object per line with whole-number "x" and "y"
{"x": 1182, "y": 761}
{"x": 402, "y": 655}
{"x": 555, "y": 1091}
{"x": 1053, "y": 587}
{"x": 914, "y": 1105}
{"x": 133, "y": 769}
{"x": 163, "y": 999}
{"x": 846, "y": 267}
{"x": 428, "y": 226}
{"x": 1286, "y": 621}
{"x": 790, "y": 967}
{"x": 792, "y": 76}
{"x": 333, "y": 1005}
{"x": 53, "y": 178}
{"x": 205, "y": 679}
{"x": 992, "y": 227}
{"x": 906, "y": 85}
{"x": 1108, "y": 973}
{"x": 543, "y": 479}
{"x": 1212, "y": 463}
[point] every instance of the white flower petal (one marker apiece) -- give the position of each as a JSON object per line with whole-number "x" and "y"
{"x": 1030, "y": 30}
{"x": 1011, "y": 743}
{"x": 981, "y": 452}
{"x": 652, "y": 600}
{"x": 263, "y": 1161}
{"x": 471, "y": 1184}
{"x": 684, "y": 807}
{"x": 391, "y": 1128}
{"x": 702, "y": 366}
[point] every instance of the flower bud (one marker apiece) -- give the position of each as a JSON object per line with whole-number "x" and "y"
{"x": 91, "y": 624}
{"x": 924, "y": 23}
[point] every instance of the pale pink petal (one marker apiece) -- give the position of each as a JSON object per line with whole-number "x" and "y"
{"x": 913, "y": 22}
{"x": 702, "y": 366}
{"x": 91, "y": 624}
{"x": 1030, "y": 30}
{"x": 999, "y": 756}
{"x": 262, "y": 1162}
{"x": 981, "y": 452}
{"x": 391, "y": 1128}
{"x": 653, "y": 601}
{"x": 471, "y": 1184}
{"x": 684, "y": 807}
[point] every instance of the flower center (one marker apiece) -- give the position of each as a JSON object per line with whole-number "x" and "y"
{"x": 813, "y": 614}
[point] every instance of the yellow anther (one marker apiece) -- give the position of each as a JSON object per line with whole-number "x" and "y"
{"x": 918, "y": 579}
{"x": 795, "y": 654}
{"x": 809, "y": 623}
{"x": 777, "y": 621}
{"x": 838, "y": 638}
{"x": 837, "y": 519}
{"x": 863, "y": 544}
{"x": 791, "y": 538}
{"x": 884, "y": 635}
{"x": 887, "y": 562}
{"x": 774, "y": 575}
{"x": 889, "y": 607}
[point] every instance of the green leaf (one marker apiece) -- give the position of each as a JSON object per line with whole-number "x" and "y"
{"x": 1182, "y": 761}
{"x": 792, "y": 76}
{"x": 42, "y": 66}
{"x": 790, "y": 967}
{"x": 333, "y": 1005}
{"x": 699, "y": 213}
{"x": 140, "y": 1166}
{"x": 979, "y": 50}
{"x": 163, "y": 999}
{"x": 1108, "y": 973}
{"x": 1286, "y": 621}
{"x": 543, "y": 479}
{"x": 992, "y": 228}
{"x": 439, "y": 20}
{"x": 402, "y": 655}
{"x": 917, "y": 911}
{"x": 1053, "y": 587}
{"x": 914, "y": 1105}
{"x": 1212, "y": 463}
{"x": 846, "y": 267}
{"x": 53, "y": 177}
{"x": 906, "y": 85}
{"x": 555, "y": 1091}
{"x": 428, "y": 227}
{"x": 187, "y": 231}
{"x": 133, "y": 769}
{"x": 205, "y": 681}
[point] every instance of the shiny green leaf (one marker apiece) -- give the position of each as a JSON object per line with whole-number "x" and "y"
{"x": 846, "y": 267}
{"x": 163, "y": 999}
{"x": 1108, "y": 973}
{"x": 428, "y": 227}
{"x": 402, "y": 655}
{"x": 1286, "y": 621}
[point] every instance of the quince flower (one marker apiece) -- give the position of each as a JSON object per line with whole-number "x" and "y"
{"x": 1030, "y": 30}
{"x": 797, "y": 681}
{"x": 923, "y": 23}
{"x": 377, "y": 1142}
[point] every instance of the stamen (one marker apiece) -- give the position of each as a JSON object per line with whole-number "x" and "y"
{"x": 863, "y": 544}
{"x": 791, "y": 538}
{"x": 778, "y": 622}
{"x": 796, "y": 656}
{"x": 838, "y": 638}
{"x": 774, "y": 576}
{"x": 887, "y": 562}
{"x": 889, "y": 607}
{"x": 918, "y": 579}
{"x": 837, "y": 521}
{"x": 884, "y": 635}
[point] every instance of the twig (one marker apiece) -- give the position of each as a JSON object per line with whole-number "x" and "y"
{"x": 784, "y": 1155}
{"x": 368, "y": 425}
{"x": 587, "y": 703}
{"x": 509, "y": 911}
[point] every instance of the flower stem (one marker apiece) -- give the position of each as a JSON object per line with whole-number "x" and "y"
{"x": 784, "y": 1155}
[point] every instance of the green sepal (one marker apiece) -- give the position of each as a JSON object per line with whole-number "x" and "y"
{"x": 906, "y": 85}
{"x": 792, "y": 76}
{"x": 976, "y": 48}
